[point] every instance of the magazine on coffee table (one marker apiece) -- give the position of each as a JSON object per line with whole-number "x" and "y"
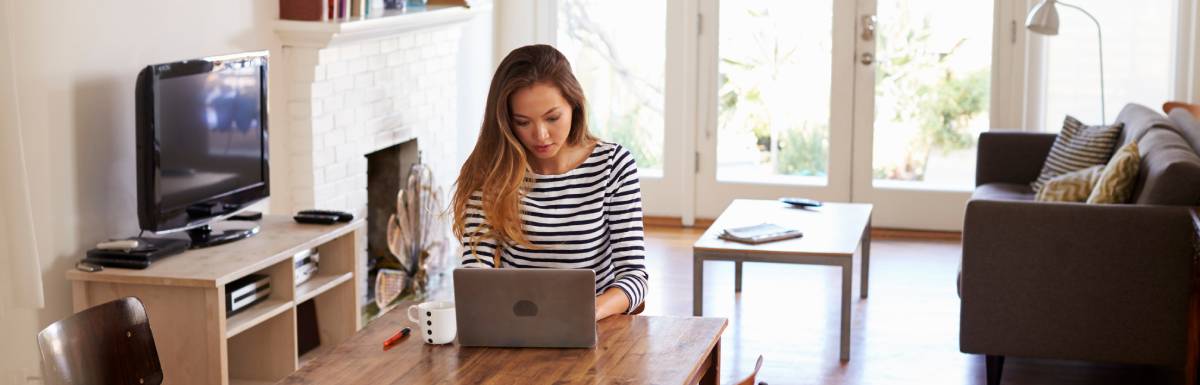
{"x": 760, "y": 233}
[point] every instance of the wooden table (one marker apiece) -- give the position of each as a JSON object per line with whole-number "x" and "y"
{"x": 833, "y": 234}
{"x": 631, "y": 350}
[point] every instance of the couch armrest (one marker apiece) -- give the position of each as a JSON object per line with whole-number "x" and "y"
{"x": 1076, "y": 281}
{"x": 1011, "y": 156}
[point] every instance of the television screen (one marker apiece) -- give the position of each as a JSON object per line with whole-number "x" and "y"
{"x": 210, "y": 135}
{"x": 201, "y": 140}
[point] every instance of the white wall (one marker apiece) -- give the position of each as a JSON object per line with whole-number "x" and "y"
{"x": 17, "y": 321}
{"x": 523, "y": 22}
{"x": 76, "y": 63}
{"x": 475, "y": 68}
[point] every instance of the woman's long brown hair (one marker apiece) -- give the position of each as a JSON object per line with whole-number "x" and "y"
{"x": 498, "y": 167}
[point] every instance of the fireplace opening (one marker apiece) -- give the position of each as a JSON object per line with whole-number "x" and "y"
{"x": 387, "y": 169}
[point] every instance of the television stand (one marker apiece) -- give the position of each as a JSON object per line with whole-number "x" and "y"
{"x": 199, "y": 343}
{"x": 205, "y": 236}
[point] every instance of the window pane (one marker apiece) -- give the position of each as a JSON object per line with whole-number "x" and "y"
{"x": 932, "y": 88}
{"x": 1139, "y": 41}
{"x": 773, "y": 91}
{"x": 617, "y": 50}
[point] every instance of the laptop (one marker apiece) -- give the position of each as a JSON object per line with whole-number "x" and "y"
{"x": 544, "y": 308}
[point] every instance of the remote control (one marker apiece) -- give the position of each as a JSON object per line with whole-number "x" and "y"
{"x": 342, "y": 216}
{"x": 315, "y": 218}
{"x": 125, "y": 244}
{"x": 801, "y": 202}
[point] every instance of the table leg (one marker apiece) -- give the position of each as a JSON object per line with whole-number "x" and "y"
{"x": 847, "y": 285}
{"x": 737, "y": 276}
{"x": 865, "y": 245}
{"x": 713, "y": 374}
{"x": 697, "y": 285}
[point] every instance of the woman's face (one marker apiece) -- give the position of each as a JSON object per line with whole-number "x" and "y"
{"x": 541, "y": 119}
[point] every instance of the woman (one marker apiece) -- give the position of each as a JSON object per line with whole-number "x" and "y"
{"x": 539, "y": 191}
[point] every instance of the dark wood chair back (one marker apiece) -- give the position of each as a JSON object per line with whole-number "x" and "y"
{"x": 108, "y": 344}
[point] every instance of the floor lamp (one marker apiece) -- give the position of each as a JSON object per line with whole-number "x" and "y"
{"x": 1043, "y": 19}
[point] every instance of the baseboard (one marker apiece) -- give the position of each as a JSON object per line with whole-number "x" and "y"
{"x": 700, "y": 223}
{"x": 884, "y": 233}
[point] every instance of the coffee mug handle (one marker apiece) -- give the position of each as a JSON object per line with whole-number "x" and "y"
{"x": 411, "y": 316}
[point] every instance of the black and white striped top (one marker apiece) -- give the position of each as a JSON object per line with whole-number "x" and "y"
{"x": 587, "y": 218}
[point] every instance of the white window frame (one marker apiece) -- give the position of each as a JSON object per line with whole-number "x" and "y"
{"x": 1028, "y": 65}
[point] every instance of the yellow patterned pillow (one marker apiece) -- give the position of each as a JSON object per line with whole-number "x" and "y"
{"x": 1074, "y": 186}
{"x": 1116, "y": 181}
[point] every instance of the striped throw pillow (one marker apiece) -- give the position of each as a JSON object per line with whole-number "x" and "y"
{"x": 1115, "y": 184}
{"x": 1074, "y": 186}
{"x": 1078, "y": 147}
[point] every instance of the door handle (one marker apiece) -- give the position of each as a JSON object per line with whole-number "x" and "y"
{"x": 867, "y": 58}
{"x": 868, "y": 27}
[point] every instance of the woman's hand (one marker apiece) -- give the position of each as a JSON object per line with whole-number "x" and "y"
{"x": 611, "y": 301}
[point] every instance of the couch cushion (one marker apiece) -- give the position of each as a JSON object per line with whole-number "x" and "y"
{"x": 1169, "y": 171}
{"x": 1188, "y": 127}
{"x": 1078, "y": 147}
{"x": 1115, "y": 184}
{"x": 1004, "y": 192}
{"x": 1074, "y": 186}
{"x": 1138, "y": 119}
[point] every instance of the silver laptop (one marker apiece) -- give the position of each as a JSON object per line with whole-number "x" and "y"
{"x": 547, "y": 308}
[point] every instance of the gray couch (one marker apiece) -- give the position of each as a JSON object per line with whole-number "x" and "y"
{"x": 1075, "y": 281}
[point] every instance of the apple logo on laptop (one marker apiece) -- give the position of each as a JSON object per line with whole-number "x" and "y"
{"x": 525, "y": 308}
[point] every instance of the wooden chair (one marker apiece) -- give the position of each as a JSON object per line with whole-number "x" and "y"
{"x": 108, "y": 344}
{"x": 749, "y": 380}
{"x": 1194, "y": 109}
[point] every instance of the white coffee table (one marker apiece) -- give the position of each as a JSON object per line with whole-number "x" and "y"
{"x": 833, "y": 234}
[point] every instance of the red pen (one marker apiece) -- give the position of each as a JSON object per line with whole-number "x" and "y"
{"x": 387, "y": 344}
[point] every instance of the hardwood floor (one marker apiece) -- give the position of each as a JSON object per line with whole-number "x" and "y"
{"x": 906, "y": 332}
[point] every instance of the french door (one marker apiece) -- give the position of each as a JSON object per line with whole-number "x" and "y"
{"x": 874, "y": 101}
{"x": 776, "y": 101}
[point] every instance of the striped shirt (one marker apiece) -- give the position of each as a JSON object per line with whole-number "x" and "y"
{"x": 587, "y": 218}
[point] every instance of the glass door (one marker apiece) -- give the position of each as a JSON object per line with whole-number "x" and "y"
{"x": 922, "y": 96}
{"x": 619, "y": 51}
{"x": 849, "y": 101}
{"x": 776, "y": 94}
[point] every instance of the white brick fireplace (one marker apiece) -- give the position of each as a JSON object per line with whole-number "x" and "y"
{"x": 357, "y": 87}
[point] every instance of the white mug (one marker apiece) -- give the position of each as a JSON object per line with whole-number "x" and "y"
{"x": 436, "y": 321}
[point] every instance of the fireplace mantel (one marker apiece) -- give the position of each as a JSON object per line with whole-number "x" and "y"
{"x": 320, "y": 34}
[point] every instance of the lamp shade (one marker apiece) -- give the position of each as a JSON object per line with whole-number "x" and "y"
{"x": 1043, "y": 18}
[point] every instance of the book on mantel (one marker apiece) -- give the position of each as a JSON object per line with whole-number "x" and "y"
{"x": 760, "y": 233}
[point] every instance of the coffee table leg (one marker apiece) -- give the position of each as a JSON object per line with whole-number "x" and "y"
{"x": 713, "y": 374}
{"x": 697, "y": 285}
{"x": 847, "y": 285}
{"x": 865, "y": 245}
{"x": 737, "y": 276}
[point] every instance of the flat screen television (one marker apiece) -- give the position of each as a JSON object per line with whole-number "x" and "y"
{"x": 201, "y": 144}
